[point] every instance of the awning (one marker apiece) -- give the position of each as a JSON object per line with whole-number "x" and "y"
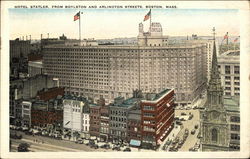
{"x": 135, "y": 142}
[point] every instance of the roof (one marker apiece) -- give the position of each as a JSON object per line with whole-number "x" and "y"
{"x": 156, "y": 97}
{"x": 231, "y": 53}
{"x": 134, "y": 114}
{"x": 232, "y": 104}
{"x": 127, "y": 103}
{"x": 71, "y": 97}
{"x": 93, "y": 105}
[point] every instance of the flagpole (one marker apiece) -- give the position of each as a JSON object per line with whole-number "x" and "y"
{"x": 80, "y": 27}
{"x": 150, "y": 21}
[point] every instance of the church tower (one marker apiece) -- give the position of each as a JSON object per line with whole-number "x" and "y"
{"x": 214, "y": 124}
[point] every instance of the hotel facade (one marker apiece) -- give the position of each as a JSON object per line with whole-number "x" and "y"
{"x": 116, "y": 70}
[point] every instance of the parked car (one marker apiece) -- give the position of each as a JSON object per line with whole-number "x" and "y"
{"x": 28, "y": 133}
{"x": 181, "y": 142}
{"x": 95, "y": 146}
{"x": 199, "y": 135}
{"x": 188, "y": 108}
{"x": 193, "y": 132}
{"x": 183, "y": 113}
{"x": 179, "y": 122}
{"x": 191, "y": 149}
{"x": 196, "y": 126}
{"x": 168, "y": 142}
{"x": 190, "y": 117}
{"x": 79, "y": 141}
{"x": 105, "y": 146}
{"x": 127, "y": 149}
{"x": 117, "y": 148}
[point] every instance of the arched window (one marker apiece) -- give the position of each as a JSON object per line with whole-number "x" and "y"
{"x": 214, "y": 135}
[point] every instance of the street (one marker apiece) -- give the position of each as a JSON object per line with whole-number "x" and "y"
{"x": 49, "y": 144}
{"x": 189, "y": 124}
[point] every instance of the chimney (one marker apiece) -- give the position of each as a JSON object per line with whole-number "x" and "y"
{"x": 30, "y": 37}
{"x": 41, "y": 36}
{"x": 48, "y": 35}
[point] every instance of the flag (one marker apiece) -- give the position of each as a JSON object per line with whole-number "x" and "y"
{"x": 235, "y": 40}
{"x": 147, "y": 16}
{"x": 226, "y": 36}
{"x": 77, "y": 16}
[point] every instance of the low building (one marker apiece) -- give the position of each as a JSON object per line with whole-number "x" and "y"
{"x": 44, "y": 118}
{"x": 104, "y": 121}
{"x": 157, "y": 117}
{"x": 25, "y": 89}
{"x": 73, "y": 115}
{"x": 47, "y": 113}
{"x": 26, "y": 113}
{"x": 85, "y": 121}
{"x": 118, "y": 116}
{"x": 134, "y": 127}
{"x": 233, "y": 115}
{"x": 94, "y": 128}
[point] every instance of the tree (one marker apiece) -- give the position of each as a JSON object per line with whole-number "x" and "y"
{"x": 23, "y": 147}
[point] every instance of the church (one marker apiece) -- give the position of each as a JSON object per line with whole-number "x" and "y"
{"x": 214, "y": 118}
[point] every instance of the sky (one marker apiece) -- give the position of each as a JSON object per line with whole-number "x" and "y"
{"x": 115, "y": 23}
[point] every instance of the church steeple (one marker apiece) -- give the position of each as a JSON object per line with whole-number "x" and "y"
{"x": 215, "y": 91}
{"x": 214, "y": 72}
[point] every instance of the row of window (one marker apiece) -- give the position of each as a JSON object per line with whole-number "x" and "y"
{"x": 235, "y": 119}
{"x": 235, "y": 127}
{"x": 235, "y": 136}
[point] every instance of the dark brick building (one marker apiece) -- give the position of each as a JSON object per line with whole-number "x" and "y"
{"x": 50, "y": 93}
{"x": 157, "y": 117}
{"x": 104, "y": 120}
{"x": 42, "y": 118}
{"x": 94, "y": 121}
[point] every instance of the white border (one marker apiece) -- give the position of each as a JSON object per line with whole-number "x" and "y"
{"x": 243, "y": 7}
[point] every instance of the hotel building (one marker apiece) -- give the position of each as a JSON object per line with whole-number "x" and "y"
{"x": 116, "y": 70}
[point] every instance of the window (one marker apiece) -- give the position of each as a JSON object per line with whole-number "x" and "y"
{"x": 237, "y": 88}
{"x": 227, "y": 69}
{"x": 235, "y": 119}
{"x": 214, "y": 135}
{"x": 236, "y": 78}
{"x": 237, "y": 83}
{"x": 234, "y": 147}
{"x": 148, "y": 107}
{"x": 227, "y": 77}
{"x": 148, "y": 115}
{"x": 235, "y": 136}
{"x": 237, "y": 69}
{"x": 235, "y": 127}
